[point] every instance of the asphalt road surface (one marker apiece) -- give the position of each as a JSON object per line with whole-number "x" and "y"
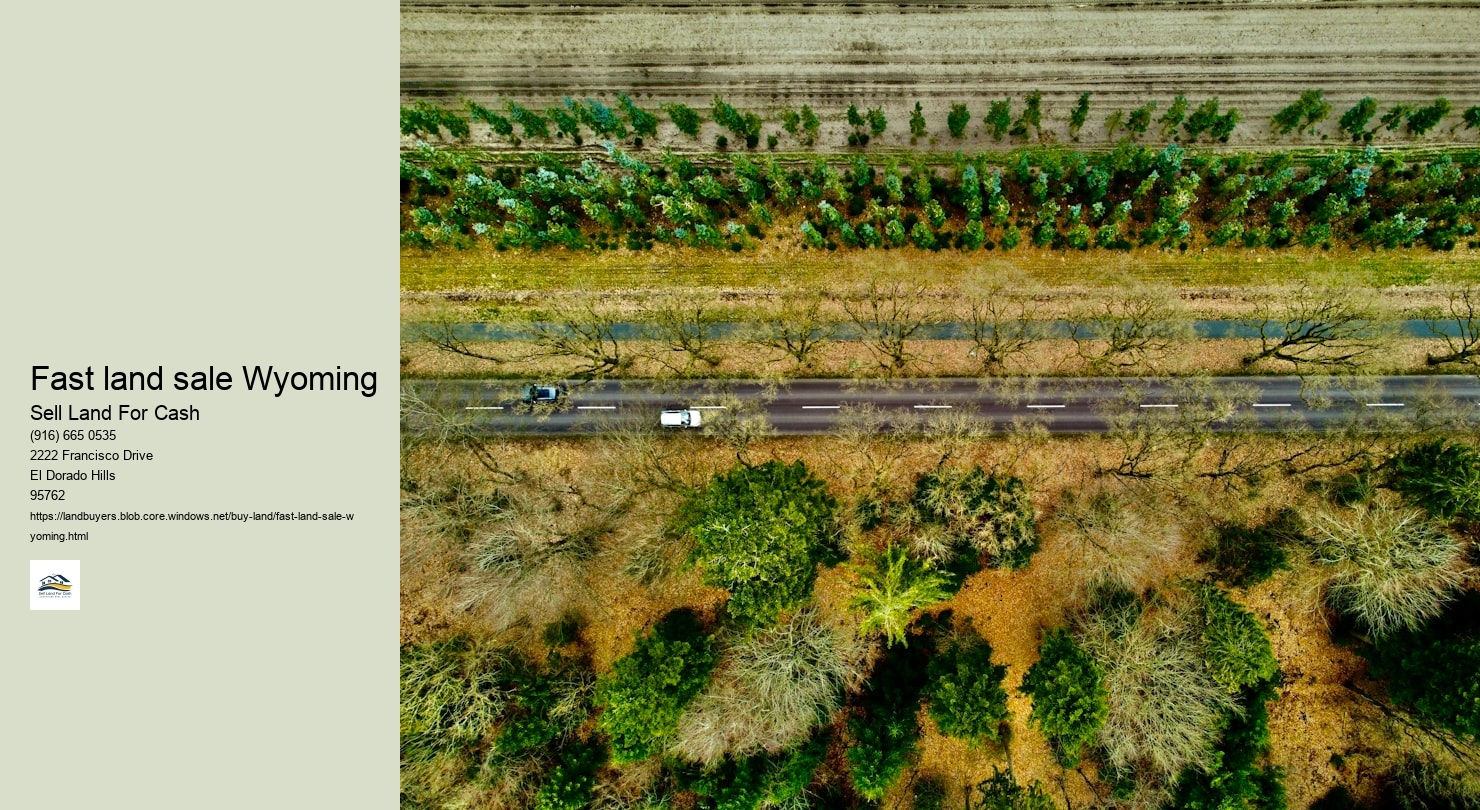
{"x": 1065, "y": 406}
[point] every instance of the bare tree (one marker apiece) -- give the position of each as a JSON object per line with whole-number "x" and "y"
{"x": 1329, "y": 327}
{"x": 446, "y": 333}
{"x": 683, "y": 325}
{"x": 581, "y": 332}
{"x": 799, "y": 328}
{"x": 1462, "y": 340}
{"x": 1003, "y": 318}
{"x": 1133, "y": 326}
{"x": 1160, "y": 439}
{"x": 1116, "y": 537}
{"x": 891, "y": 315}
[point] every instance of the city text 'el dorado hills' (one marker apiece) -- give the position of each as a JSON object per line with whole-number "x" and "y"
{"x": 257, "y": 379}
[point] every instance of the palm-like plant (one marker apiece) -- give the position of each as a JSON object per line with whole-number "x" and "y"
{"x": 894, "y": 585}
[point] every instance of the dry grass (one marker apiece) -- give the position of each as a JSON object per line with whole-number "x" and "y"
{"x": 484, "y": 271}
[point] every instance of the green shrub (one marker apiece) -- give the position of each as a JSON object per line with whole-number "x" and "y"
{"x": 1423, "y": 119}
{"x": 999, "y": 118}
{"x": 884, "y": 731}
{"x": 1235, "y": 643}
{"x": 917, "y": 122}
{"x": 763, "y": 779}
{"x": 1441, "y": 476}
{"x": 573, "y": 780}
{"x": 685, "y": 118}
{"x": 644, "y": 123}
{"x": 643, "y": 695}
{"x": 1002, "y": 792}
{"x": 957, "y": 120}
{"x": 1240, "y": 776}
{"x": 892, "y": 586}
{"x": 1069, "y": 697}
{"x": 428, "y": 118}
{"x": 543, "y": 705}
{"x": 760, "y": 532}
{"x": 1306, "y": 112}
{"x": 963, "y": 690}
{"x": 1436, "y": 668}
{"x": 1079, "y": 115}
{"x": 1248, "y": 555}
{"x": 1354, "y": 121}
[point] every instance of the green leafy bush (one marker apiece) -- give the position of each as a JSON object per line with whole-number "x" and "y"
{"x": 884, "y": 731}
{"x": 761, "y": 531}
{"x": 1079, "y": 115}
{"x": 1423, "y": 119}
{"x": 760, "y": 780}
{"x": 999, "y": 118}
{"x": 892, "y": 586}
{"x": 1436, "y": 668}
{"x": 1240, "y": 776}
{"x": 573, "y": 780}
{"x": 957, "y": 120}
{"x": 963, "y": 690}
{"x": 1307, "y": 111}
{"x": 1069, "y": 697}
{"x": 644, "y": 694}
{"x": 685, "y": 118}
{"x": 1248, "y": 555}
{"x": 1354, "y": 121}
{"x": 428, "y": 118}
{"x": 917, "y": 122}
{"x": 1235, "y": 643}
{"x": 1441, "y": 476}
{"x": 543, "y": 704}
{"x": 1002, "y": 792}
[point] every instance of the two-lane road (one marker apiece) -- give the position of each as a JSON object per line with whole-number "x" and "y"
{"x": 1062, "y": 405}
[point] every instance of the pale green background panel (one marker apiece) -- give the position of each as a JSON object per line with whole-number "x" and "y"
{"x": 191, "y": 184}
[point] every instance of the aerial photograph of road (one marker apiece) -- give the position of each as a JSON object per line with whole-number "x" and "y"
{"x": 1026, "y": 404}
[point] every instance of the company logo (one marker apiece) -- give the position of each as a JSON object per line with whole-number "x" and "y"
{"x": 57, "y": 584}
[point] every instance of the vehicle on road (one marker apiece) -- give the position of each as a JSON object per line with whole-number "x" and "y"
{"x": 681, "y": 418}
{"x": 542, "y": 394}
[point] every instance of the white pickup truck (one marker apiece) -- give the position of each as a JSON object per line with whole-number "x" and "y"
{"x": 682, "y": 418}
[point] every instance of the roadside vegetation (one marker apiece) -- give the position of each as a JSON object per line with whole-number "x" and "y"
{"x": 1145, "y": 669}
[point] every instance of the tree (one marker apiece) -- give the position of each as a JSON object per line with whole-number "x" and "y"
{"x": 1457, "y": 323}
{"x": 761, "y": 531}
{"x": 877, "y": 123}
{"x": 580, "y": 332}
{"x": 999, "y": 118}
{"x": 1395, "y": 116}
{"x": 1235, "y": 643}
{"x": 497, "y": 124}
{"x": 799, "y": 328}
{"x": 1307, "y": 111}
{"x": 1202, "y": 119}
{"x": 1173, "y": 117}
{"x": 917, "y": 122}
{"x": 1031, "y": 117}
{"x": 1079, "y": 115}
{"x": 990, "y": 514}
{"x": 428, "y": 118}
{"x": 1354, "y": 121}
{"x": 890, "y": 316}
{"x": 533, "y": 124}
{"x": 685, "y": 118}
{"x": 1002, "y": 792}
{"x": 683, "y": 326}
{"x": 1435, "y": 668}
{"x": 963, "y": 688}
{"x": 744, "y": 126}
{"x": 646, "y": 690}
{"x": 1140, "y": 119}
{"x": 1166, "y": 710}
{"x": 772, "y": 689}
{"x": 1069, "y": 698}
{"x": 644, "y": 123}
{"x": 892, "y": 586}
{"x": 1321, "y": 327}
{"x": 452, "y": 696}
{"x": 1441, "y": 476}
{"x": 1387, "y": 569}
{"x": 1471, "y": 117}
{"x": 884, "y": 731}
{"x": 957, "y": 120}
{"x": 573, "y": 780}
{"x": 1129, "y": 327}
{"x": 1424, "y": 119}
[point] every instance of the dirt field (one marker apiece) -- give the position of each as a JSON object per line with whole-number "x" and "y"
{"x": 1255, "y": 55}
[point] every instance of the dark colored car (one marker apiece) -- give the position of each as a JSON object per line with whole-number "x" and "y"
{"x": 542, "y": 394}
